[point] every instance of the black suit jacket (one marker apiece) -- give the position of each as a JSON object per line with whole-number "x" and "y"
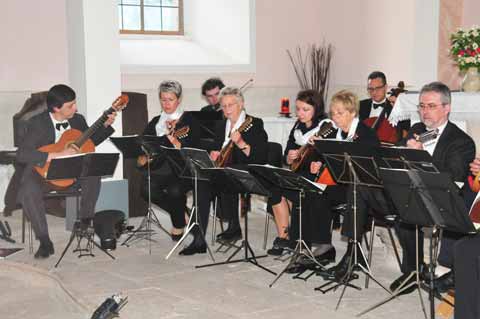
{"x": 256, "y": 137}
{"x": 453, "y": 152}
{"x": 366, "y": 108}
{"x": 191, "y": 140}
{"x": 41, "y": 132}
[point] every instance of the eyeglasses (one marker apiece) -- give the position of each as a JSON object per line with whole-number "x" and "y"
{"x": 372, "y": 89}
{"x": 430, "y": 106}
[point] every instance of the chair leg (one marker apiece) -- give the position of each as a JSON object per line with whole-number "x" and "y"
{"x": 214, "y": 226}
{"x": 23, "y": 227}
{"x": 267, "y": 226}
{"x": 370, "y": 251}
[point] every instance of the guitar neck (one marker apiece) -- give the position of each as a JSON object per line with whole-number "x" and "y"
{"x": 93, "y": 128}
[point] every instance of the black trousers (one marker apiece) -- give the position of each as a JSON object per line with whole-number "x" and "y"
{"x": 467, "y": 278}
{"x": 316, "y": 212}
{"x": 373, "y": 201}
{"x": 31, "y": 196}
{"x": 449, "y": 239}
{"x": 169, "y": 193}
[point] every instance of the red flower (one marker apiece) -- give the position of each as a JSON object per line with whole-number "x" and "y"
{"x": 473, "y": 53}
{"x": 461, "y": 52}
{"x": 478, "y": 50}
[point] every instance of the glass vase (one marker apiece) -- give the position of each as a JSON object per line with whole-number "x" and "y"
{"x": 471, "y": 81}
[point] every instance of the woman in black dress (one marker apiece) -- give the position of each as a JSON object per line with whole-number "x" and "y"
{"x": 179, "y": 129}
{"x": 249, "y": 140}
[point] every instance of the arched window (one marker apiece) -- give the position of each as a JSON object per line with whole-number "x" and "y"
{"x": 151, "y": 16}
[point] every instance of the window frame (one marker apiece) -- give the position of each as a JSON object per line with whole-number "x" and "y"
{"x": 142, "y": 24}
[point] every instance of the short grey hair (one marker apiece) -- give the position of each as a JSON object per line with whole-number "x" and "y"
{"x": 440, "y": 88}
{"x": 171, "y": 86}
{"x": 230, "y": 90}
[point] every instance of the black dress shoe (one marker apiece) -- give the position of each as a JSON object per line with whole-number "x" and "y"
{"x": 230, "y": 234}
{"x": 327, "y": 257}
{"x": 402, "y": 280}
{"x": 42, "y": 252}
{"x": 445, "y": 282}
{"x": 193, "y": 249}
{"x": 51, "y": 250}
{"x": 296, "y": 268}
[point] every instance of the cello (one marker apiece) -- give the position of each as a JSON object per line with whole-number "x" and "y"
{"x": 385, "y": 131}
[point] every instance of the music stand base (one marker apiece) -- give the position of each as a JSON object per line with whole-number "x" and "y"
{"x": 80, "y": 234}
{"x": 145, "y": 231}
{"x": 248, "y": 259}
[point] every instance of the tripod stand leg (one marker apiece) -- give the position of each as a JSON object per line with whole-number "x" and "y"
{"x": 106, "y": 252}
{"x": 72, "y": 237}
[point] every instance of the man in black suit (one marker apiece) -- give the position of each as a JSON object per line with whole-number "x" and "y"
{"x": 44, "y": 129}
{"x": 210, "y": 91}
{"x": 378, "y": 105}
{"x": 452, "y": 151}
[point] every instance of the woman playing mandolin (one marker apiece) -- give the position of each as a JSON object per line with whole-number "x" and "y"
{"x": 167, "y": 190}
{"x": 240, "y": 139}
{"x": 344, "y": 108}
{"x": 298, "y": 154}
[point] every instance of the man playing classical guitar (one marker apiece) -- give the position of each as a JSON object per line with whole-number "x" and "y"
{"x": 44, "y": 129}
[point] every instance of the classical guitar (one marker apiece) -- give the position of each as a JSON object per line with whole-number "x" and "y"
{"x": 79, "y": 140}
{"x": 306, "y": 150}
{"x": 226, "y": 151}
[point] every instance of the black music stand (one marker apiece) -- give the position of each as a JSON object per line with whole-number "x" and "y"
{"x": 132, "y": 147}
{"x": 405, "y": 158}
{"x": 187, "y": 163}
{"x": 234, "y": 181}
{"x": 425, "y": 199}
{"x": 285, "y": 178}
{"x": 208, "y": 121}
{"x": 351, "y": 163}
{"x": 82, "y": 166}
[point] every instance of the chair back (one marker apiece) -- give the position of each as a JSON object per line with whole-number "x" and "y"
{"x": 274, "y": 154}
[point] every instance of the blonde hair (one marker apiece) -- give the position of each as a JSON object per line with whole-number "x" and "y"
{"x": 348, "y": 99}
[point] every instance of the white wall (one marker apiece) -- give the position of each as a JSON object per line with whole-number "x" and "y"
{"x": 369, "y": 34}
{"x": 33, "y": 53}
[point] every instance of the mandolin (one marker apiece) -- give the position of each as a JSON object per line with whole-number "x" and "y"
{"x": 179, "y": 134}
{"x": 226, "y": 153}
{"x": 476, "y": 183}
{"x": 306, "y": 150}
{"x": 79, "y": 140}
{"x": 324, "y": 176}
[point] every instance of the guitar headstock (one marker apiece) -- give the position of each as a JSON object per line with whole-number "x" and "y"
{"x": 120, "y": 103}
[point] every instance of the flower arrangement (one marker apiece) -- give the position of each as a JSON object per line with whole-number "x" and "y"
{"x": 465, "y": 47}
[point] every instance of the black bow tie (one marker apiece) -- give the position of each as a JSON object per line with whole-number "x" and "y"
{"x": 58, "y": 126}
{"x": 377, "y": 105}
{"x": 344, "y": 134}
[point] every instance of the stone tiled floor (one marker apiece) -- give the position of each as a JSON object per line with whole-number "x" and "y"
{"x": 174, "y": 288}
